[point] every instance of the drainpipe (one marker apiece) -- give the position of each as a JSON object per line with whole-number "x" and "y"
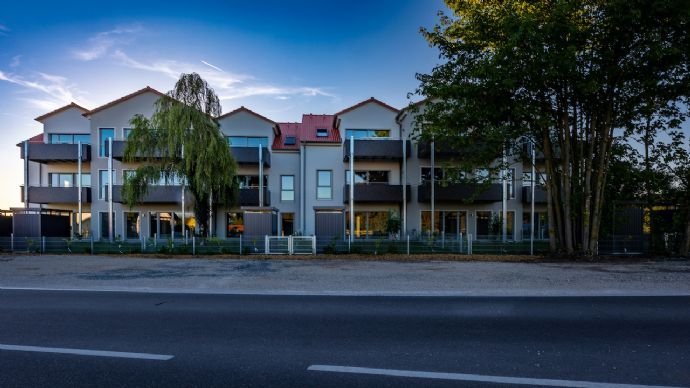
{"x": 261, "y": 176}
{"x": 404, "y": 179}
{"x": 26, "y": 174}
{"x": 433, "y": 183}
{"x": 303, "y": 196}
{"x": 110, "y": 189}
{"x": 352, "y": 189}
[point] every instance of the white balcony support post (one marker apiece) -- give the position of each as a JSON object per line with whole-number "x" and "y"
{"x": 110, "y": 189}
{"x": 352, "y": 192}
{"x": 404, "y": 186}
{"x": 261, "y": 176}
{"x": 79, "y": 198}
{"x": 26, "y": 174}
{"x": 533, "y": 184}
{"x": 504, "y": 202}
{"x": 210, "y": 215}
{"x": 184, "y": 181}
{"x": 433, "y": 185}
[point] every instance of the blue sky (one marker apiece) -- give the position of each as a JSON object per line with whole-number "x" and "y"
{"x": 279, "y": 58}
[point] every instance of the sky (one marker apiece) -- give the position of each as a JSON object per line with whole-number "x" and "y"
{"x": 278, "y": 58}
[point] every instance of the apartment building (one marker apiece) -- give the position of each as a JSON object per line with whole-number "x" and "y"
{"x": 294, "y": 178}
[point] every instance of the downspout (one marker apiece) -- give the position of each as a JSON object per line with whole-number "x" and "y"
{"x": 79, "y": 198}
{"x": 26, "y": 174}
{"x": 302, "y": 194}
{"x": 110, "y": 190}
{"x": 404, "y": 177}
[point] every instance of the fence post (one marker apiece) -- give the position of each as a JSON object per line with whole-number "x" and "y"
{"x": 291, "y": 248}
{"x": 143, "y": 244}
{"x": 313, "y": 245}
{"x": 12, "y": 242}
{"x": 193, "y": 245}
{"x": 469, "y": 243}
{"x": 240, "y": 244}
{"x": 408, "y": 244}
{"x": 460, "y": 243}
{"x": 155, "y": 241}
{"x": 43, "y": 244}
{"x": 91, "y": 237}
{"x": 266, "y": 245}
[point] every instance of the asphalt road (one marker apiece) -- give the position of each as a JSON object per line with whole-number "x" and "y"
{"x": 53, "y": 339}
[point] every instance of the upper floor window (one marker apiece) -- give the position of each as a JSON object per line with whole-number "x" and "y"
{"x": 103, "y": 135}
{"x": 67, "y": 179}
{"x": 321, "y": 132}
{"x": 69, "y": 138}
{"x": 250, "y": 181}
{"x": 248, "y": 141}
{"x": 290, "y": 140}
{"x": 287, "y": 187}
{"x": 367, "y": 133}
{"x": 324, "y": 184}
{"x": 126, "y": 132}
{"x": 443, "y": 175}
{"x": 365, "y": 177}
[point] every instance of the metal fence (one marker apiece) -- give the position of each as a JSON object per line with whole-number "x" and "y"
{"x": 247, "y": 245}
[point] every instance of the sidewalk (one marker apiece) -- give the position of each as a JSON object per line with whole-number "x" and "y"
{"x": 342, "y": 277}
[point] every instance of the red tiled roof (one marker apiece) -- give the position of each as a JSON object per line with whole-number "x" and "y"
{"x": 58, "y": 110}
{"x": 286, "y": 130}
{"x": 35, "y": 139}
{"x": 370, "y": 100}
{"x": 310, "y": 123}
{"x": 123, "y": 99}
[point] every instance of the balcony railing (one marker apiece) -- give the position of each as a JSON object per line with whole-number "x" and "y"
{"x": 539, "y": 194}
{"x": 460, "y": 192}
{"x": 46, "y": 194}
{"x": 376, "y": 149}
{"x": 250, "y": 196}
{"x": 442, "y": 151}
{"x": 250, "y": 155}
{"x": 155, "y": 194}
{"x": 57, "y": 153}
{"x": 376, "y": 193}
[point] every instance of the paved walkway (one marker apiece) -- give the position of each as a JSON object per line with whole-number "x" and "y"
{"x": 343, "y": 277}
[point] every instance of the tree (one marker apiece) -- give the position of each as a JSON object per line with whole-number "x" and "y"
{"x": 183, "y": 119}
{"x": 569, "y": 75}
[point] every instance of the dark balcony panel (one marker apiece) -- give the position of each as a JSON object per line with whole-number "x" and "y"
{"x": 250, "y": 197}
{"x": 155, "y": 194}
{"x": 56, "y": 153}
{"x": 119, "y": 150}
{"x": 460, "y": 192}
{"x": 367, "y": 149}
{"x": 57, "y": 194}
{"x": 250, "y": 155}
{"x": 376, "y": 193}
{"x": 442, "y": 150}
{"x": 539, "y": 194}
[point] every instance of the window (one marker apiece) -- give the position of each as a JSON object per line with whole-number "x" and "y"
{"x": 426, "y": 174}
{"x": 247, "y": 141}
{"x": 541, "y": 226}
{"x": 367, "y": 133}
{"x": 69, "y": 138}
{"x": 68, "y": 179}
{"x": 287, "y": 224}
{"x": 132, "y": 225}
{"x": 448, "y": 223}
{"x": 287, "y": 187}
{"x": 510, "y": 180}
{"x": 290, "y": 140}
{"x": 368, "y": 224}
{"x": 103, "y": 179}
{"x": 324, "y": 184}
{"x": 485, "y": 225}
{"x": 126, "y": 174}
{"x": 105, "y": 230}
{"x": 126, "y": 132}
{"x": 366, "y": 177}
{"x": 482, "y": 175}
{"x": 321, "y": 132}
{"x": 527, "y": 178}
{"x": 103, "y": 135}
{"x": 160, "y": 225}
{"x": 235, "y": 224}
{"x": 250, "y": 181}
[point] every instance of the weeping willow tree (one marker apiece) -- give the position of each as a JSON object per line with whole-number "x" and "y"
{"x": 182, "y": 140}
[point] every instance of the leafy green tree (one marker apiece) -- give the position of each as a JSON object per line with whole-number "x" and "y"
{"x": 183, "y": 119}
{"x": 568, "y": 74}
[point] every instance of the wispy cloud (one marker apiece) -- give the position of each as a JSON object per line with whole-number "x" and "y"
{"x": 100, "y": 44}
{"x": 228, "y": 85}
{"x": 52, "y": 90}
{"x": 4, "y": 30}
{"x": 16, "y": 61}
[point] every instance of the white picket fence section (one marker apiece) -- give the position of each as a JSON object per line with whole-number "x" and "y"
{"x": 290, "y": 245}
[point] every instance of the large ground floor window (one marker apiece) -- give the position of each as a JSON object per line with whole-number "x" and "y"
{"x": 235, "y": 224}
{"x": 368, "y": 224}
{"x": 489, "y": 226}
{"x": 160, "y": 225}
{"x": 447, "y": 223}
{"x": 541, "y": 226}
{"x": 105, "y": 230}
{"x": 132, "y": 225}
{"x": 85, "y": 225}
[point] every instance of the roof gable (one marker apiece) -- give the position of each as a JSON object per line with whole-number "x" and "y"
{"x": 60, "y": 110}
{"x": 276, "y": 127}
{"x": 365, "y": 102}
{"x": 120, "y": 100}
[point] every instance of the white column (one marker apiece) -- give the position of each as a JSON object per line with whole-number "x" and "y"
{"x": 352, "y": 188}
{"x": 261, "y": 176}
{"x": 533, "y": 185}
{"x": 404, "y": 185}
{"x": 433, "y": 184}
{"x": 110, "y": 189}
{"x": 504, "y": 176}
{"x": 79, "y": 198}
{"x": 26, "y": 174}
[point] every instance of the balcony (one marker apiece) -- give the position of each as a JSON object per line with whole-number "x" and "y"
{"x": 42, "y": 194}
{"x": 57, "y": 153}
{"x": 119, "y": 150}
{"x": 368, "y": 149}
{"x": 442, "y": 151}
{"x": 250, "y": 156}
{"x": 250, "y": 197}
{"x": 376, "y": 193}
{"x": 460, "y": 192}
{"x": 155, "y": 194}
{"x": 539, "y": 194}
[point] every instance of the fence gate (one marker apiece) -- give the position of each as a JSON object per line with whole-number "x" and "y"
{"x": 290, "y": 245}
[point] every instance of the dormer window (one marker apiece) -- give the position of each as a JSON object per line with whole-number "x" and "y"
{"x": 290, "y": 140}
{"x": 321, "y": 132}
